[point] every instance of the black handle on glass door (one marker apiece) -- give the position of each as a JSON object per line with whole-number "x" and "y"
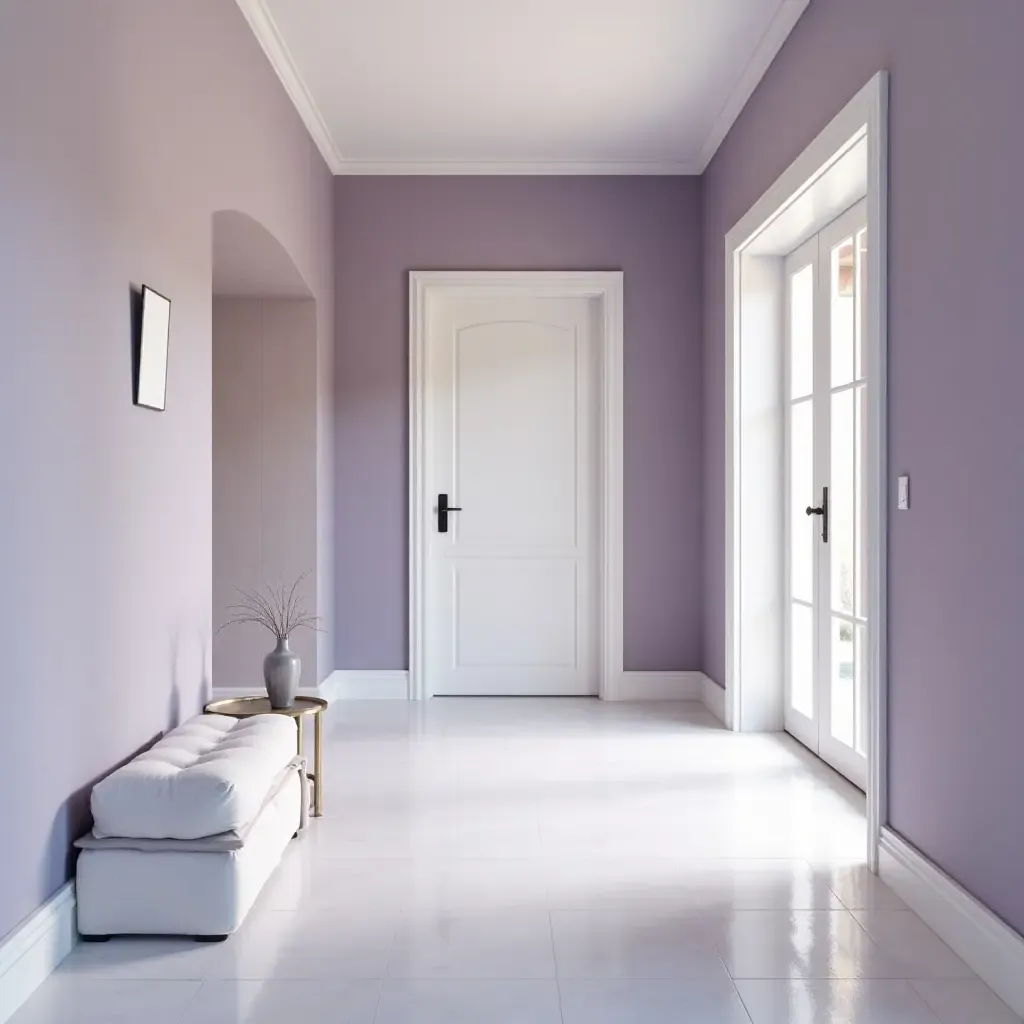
{"x": 821, "y": 510}
{"x": 443, "y": 508}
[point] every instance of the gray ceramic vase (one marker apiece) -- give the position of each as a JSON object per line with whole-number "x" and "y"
{"x": 282, "y": 668}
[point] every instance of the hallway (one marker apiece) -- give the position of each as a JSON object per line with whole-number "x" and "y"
{"x": 551, "y": 862}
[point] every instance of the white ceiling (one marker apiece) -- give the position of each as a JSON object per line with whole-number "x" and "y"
{"x": 520, "y": 86}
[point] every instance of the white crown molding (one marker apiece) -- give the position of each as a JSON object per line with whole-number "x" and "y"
{"x": 775, "y": 35}
{"x": 516, "y": 168}
{"x": 983, "y": 941}
{"x": 264, "y": 28}
{"x": 266, "y": 31}
{"x": 32, "y": 952}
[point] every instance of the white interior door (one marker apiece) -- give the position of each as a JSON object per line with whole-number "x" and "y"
{"x": 826, "y": 515}
{"x": 512, "y": 447}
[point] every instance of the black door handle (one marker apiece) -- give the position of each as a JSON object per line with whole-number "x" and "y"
{"x": 443, "y": 508}
{"x": 821, "y": 510}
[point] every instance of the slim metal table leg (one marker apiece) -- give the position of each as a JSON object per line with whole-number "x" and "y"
{"x": 318, "y": 805}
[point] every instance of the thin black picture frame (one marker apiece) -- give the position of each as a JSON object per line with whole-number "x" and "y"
{"x": 151, "y": 348}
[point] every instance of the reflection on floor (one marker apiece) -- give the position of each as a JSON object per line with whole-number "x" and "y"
{"x": 552, "y": 862}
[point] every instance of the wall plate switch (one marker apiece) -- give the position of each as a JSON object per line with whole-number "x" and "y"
{"x": 903, "y": 493}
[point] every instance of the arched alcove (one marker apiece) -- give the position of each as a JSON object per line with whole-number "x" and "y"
{"x": 264, "y": 440}
{"x": 248, "y": 261}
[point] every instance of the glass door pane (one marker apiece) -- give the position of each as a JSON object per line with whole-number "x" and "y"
{"x": 802, "y": 535}
{"x": 844, "y": 704}
{"x": 801, "y": 332}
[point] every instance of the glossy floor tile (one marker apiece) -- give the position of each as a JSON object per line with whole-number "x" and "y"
{"x": 639, "y": 942}
{"x": 834, "y": 1002}
{"x": 466, "y": 945}
{"x": 141, "y": 959}
{"x": 650, "y": 1001}
{"x": 858, "y": 889}
{"x": 314, "y": 945}
{"x": 443, "y": 1001}
{"x": 603, "y": 883}
{"x": 964, "y": 1001}
{"x": 917, "y": 950}
{"x": 276, "y": 1001}
{"x": 70, "y": 999}
{"x": 551, "y": 862}
{"x": 807, "y": 944}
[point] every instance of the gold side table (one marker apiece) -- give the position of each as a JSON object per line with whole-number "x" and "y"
{"x": 246, "y": 707}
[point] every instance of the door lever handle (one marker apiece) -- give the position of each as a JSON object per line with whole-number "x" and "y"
{"x": 443, "y": 508}
{"x": 821, "y": 510}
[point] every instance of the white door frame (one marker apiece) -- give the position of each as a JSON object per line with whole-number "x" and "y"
{"x": 753, "y": 696}
{"x": 607, "y": 288}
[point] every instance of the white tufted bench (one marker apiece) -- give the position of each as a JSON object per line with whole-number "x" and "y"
{"x": 186, "y": 834}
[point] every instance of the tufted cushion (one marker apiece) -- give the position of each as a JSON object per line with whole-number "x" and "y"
{"x": 208, "y": 776}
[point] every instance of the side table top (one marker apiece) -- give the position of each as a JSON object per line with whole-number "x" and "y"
{"x": 244, "y": 707}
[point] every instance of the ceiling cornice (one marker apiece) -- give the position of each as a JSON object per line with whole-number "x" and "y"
{"x": 515, "y": 167}
{"x": 266, "y": 31}
{"x": 264, "y": 28}
{"x": 775, "y": 36}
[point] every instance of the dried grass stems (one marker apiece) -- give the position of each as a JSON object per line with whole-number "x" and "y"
{"x": 280, "y": 610}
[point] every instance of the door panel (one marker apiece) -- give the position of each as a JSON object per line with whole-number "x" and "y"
{"x": 515, "y": 421}
{"x": 825, "y": 312}
{"x": 512, "y": 442}
{"x": 515, "y": 613}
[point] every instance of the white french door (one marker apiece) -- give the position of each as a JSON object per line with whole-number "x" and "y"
{"x": 826, "y": 514}
{"x": 512, "y": 472}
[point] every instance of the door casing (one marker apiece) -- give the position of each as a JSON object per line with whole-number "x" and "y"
{"x": 606, "y": 287}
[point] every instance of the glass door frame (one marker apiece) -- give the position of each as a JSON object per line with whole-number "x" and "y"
{"x": 802, "y": 725}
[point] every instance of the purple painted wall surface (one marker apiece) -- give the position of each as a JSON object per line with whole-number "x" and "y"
{"x": 956, "y": 363}
{"x": 647, "y": 227}
{"x": 125, "y": 125}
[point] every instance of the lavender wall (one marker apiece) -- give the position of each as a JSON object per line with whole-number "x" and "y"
{"x": 956, "y": 560}
{"x": 649, "y": 228}
{"x": 125, "y": 125}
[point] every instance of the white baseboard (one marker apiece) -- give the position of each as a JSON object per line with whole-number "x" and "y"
{"x": 31, "y": 953}
{"x": 713, "y": 696}
{"x": 983, "y": 941}
{"x": 342, "y": 684}
{"x": 658, "y": 686}
{"x": 354, "y": 684}
{"x": 393, "y": 684}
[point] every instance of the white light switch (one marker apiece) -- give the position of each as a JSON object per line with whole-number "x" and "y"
{"x": 903, "y": 493}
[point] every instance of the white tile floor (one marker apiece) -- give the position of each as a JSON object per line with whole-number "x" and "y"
{"x": 552, "y": 862}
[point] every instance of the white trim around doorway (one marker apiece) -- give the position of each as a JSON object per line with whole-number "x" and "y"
{"x": 853, "y": 146}
{"x": 607, "y": 288}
